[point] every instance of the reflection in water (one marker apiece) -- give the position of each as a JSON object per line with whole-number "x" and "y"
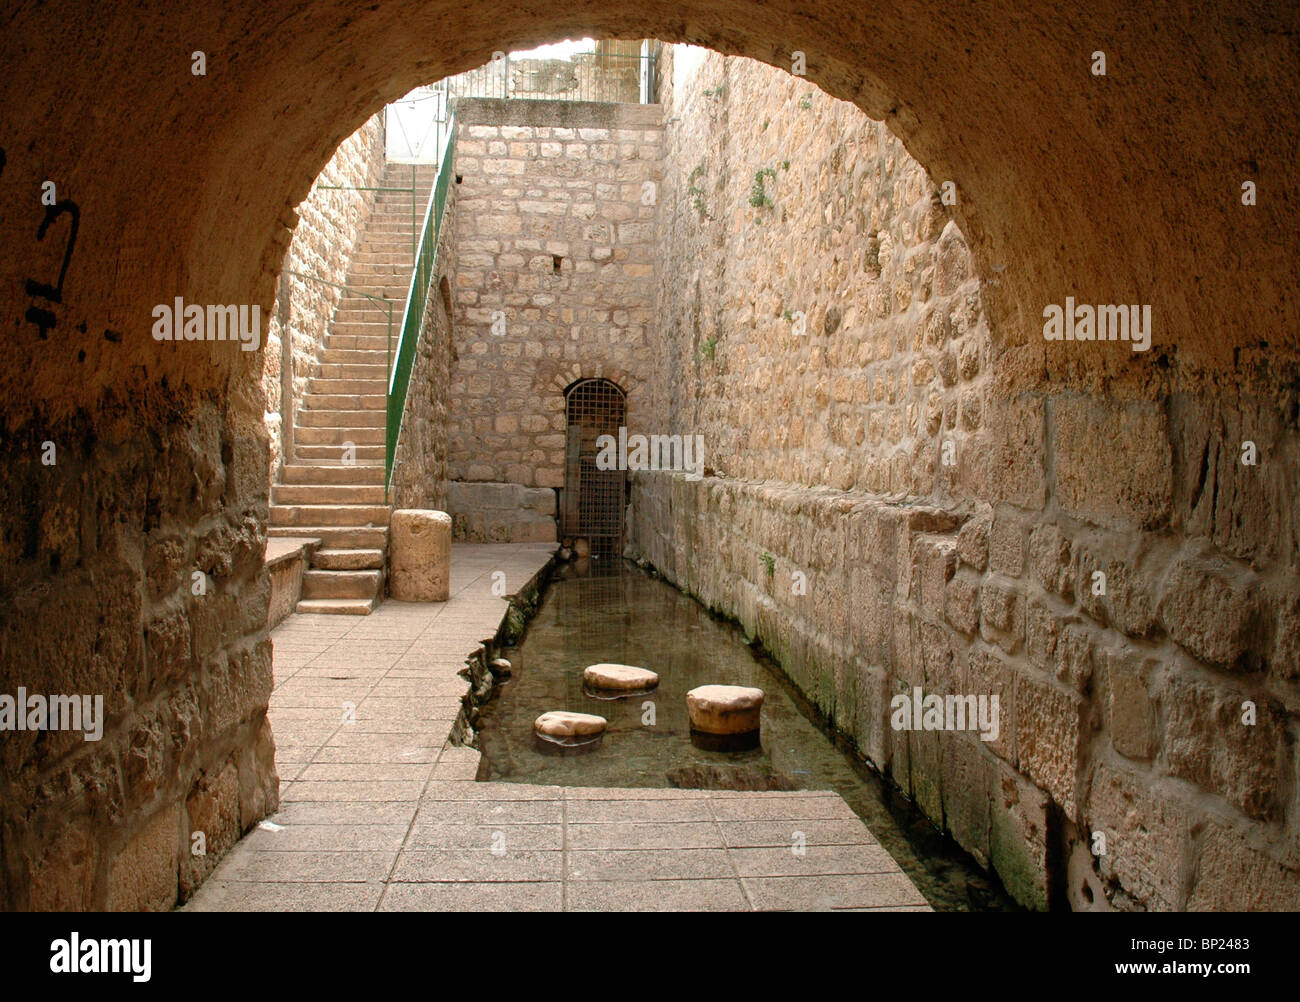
{"x": 624, "y": 615}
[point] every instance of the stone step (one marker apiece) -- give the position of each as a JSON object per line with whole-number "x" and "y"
{"x": 302, "y": 494}
{"x": 372, "y": 337}
{"x": 341, "y": 584}
{"x": 369, "y": 474}
{"x": 338, "y": 537}
{"x": 336, "y": 606}
{"x": 369, "y": 255}
{"x": 394, "y": 291}
{"x": 332, "y": 559}
{"x": 351, "y": 515}
{"x": 339, "y": 387}
{"x": 344, "y": 401}
{"x": 318, "y": 453}
{"x": 354, "y": 356}
{"x": 388, "y": 269}
{"x": 341, "y": 419}
{"x": 333, "y": 370}
{"x": 306, "y": 435}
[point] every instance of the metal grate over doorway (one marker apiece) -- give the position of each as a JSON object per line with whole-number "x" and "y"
{"x": 593, "y": 499}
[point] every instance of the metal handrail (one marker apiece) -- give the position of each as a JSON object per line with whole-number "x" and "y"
{"x": 422, "y": 276}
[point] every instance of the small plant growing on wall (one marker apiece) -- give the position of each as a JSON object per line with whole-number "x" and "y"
{"x": 758, "y": 196}
{"x": 805, "y": 103}
{"x": 709, "y": 349}
{"x": 769, "y": 563}
{"x": 697, "y": 194}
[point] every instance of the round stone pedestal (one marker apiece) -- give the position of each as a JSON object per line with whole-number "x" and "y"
{"x": 419, "y": 555}
{"x": 614, "y": 681}
{"x": 725, "y": 717}
{"x": 562, "y": 730}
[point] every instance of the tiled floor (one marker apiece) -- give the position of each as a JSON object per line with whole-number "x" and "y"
{"x": 382, "y": 813}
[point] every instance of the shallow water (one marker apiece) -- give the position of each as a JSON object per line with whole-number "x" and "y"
{"x": 622, "y": 614}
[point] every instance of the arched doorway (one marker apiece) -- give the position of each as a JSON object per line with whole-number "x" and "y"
{"x": 592, "y": 504}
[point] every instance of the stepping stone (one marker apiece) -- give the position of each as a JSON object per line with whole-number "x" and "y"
{"x": 724, "y": 709}
{"x": 619, "y": 678}
{"x": 569, "y": 730}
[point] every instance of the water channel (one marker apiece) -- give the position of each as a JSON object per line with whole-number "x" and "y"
{"x": 621, "y": 613}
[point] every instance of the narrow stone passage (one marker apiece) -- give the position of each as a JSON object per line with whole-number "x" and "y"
{"x": 383, "y": 813}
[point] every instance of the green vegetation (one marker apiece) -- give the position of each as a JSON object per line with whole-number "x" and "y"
{"x": 697, "y": 194}
{"x": 758, "y": 196}
{"x": 769, "y": 562}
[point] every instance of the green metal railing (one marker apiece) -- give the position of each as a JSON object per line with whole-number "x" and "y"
{"x": 422, "y": 276}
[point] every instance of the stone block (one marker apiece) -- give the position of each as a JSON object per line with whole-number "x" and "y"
{"x": 1232, "y": 876}
{"x": 419, "y": 552}
{"x": 968, "y": 771}
{"x": 1208, "y": 606}
{"x": 213, "y": 810}
{"x": 62, "y": 873}
{"x": 1130, "y": 712}
{"x": 1208, "y": 741}
{"x": 973, "y": 542}
{"x": 1002, "y": 614}
{"x": 1006, "y": 546}
{"x": 1148, "y": 839}
{"x": 962, "y": 603}
{"x": 988, "y": 673}
{"x": 1049, "y": 722}
{"x": 143, "y": 875}
{"x": 1018, "y": 837}
{"x": 1112, "y": 461}
{"x": 1113, "y": 592}
{"x": 1050, "y": 560}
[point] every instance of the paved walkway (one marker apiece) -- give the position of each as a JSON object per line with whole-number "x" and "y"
{"x": 383, "y": 813}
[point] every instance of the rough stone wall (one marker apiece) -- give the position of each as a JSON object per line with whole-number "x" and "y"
{"x": 850, "y": 246}
{"x": 140, "y": 580}
{"x": 328, "y": 232}
{"x": 556, "y": 244}
{"x": 501, "y": 513}
{"x": 419, "y": 477}
{"x": 951, "y": 523}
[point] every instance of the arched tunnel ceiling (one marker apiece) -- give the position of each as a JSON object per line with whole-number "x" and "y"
{"x": 1116, "y": 189}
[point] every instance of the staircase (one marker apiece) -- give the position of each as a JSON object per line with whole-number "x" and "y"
{"x": 320, "y": 494}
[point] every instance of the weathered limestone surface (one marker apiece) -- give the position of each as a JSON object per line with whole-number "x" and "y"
{"x": 419, "y": 553}
{"x": 567, "y": 724}
{"x": 325, "y": 239}
{"x": 557, "y": 243}
{"x": 725, "y": 709}
{"x": 501, "y": 513}
{"x": 1104, "y": 561}
{"x": 619, "y": 677}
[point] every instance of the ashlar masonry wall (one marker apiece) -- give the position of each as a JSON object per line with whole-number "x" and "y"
{"x": 556, "y": 242}
{"x": 1107, "y": 564}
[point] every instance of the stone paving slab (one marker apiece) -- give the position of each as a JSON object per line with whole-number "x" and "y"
{"x": 379, "y": 812}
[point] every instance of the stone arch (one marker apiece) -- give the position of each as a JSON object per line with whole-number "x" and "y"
{"x": 1069, "y": 185}
{"x": 1065, "y": 187}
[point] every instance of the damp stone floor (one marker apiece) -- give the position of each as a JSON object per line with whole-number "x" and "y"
{"x": 382, "y": 812}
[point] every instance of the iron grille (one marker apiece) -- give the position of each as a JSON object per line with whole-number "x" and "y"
{"x": 594, "y": 499}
